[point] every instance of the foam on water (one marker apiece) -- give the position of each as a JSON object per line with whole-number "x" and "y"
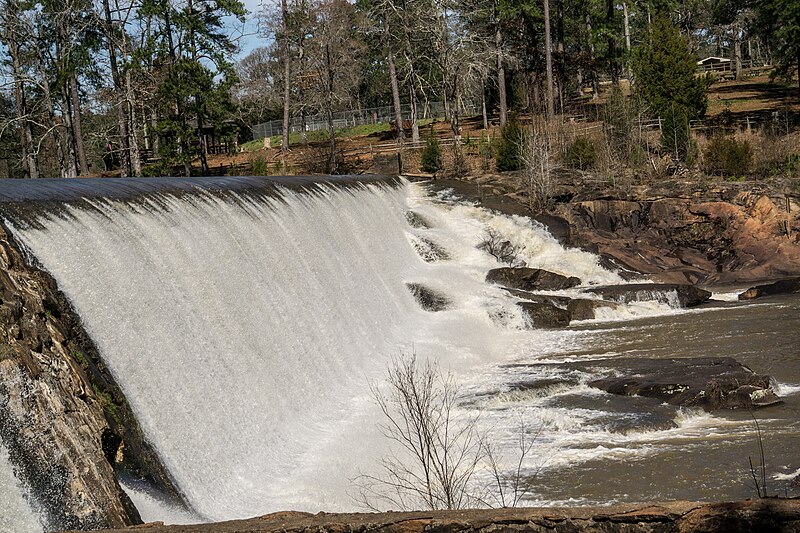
{"x": 153, "y": 509}
{"x": 16, "y": 512}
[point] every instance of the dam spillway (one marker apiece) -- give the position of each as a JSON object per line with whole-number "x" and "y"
{"x": 237, "y": 326}
{"x": 245, "y": 320}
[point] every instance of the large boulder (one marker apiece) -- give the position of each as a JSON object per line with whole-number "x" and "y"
{"x": 530, "y": 279}
{"x": 687, "y": 295}
{"x": 586, "y": 309}
{"x": 710, "y": 383}
{"x": 784, "y": 286}
{"x": 545, "y": 315}
{"x": 578, "y": 308}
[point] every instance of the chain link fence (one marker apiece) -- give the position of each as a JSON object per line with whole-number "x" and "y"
{"x": 359, "y": 117}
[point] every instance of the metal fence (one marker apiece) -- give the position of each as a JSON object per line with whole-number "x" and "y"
{"x": 358, "y": 117}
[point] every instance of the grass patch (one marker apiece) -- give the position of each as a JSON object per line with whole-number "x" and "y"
{"x": 80, "y": 357}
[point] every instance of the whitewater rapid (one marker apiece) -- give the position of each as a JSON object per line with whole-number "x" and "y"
{"x": 246, "y": 332}
{"x": 17, "y": 513}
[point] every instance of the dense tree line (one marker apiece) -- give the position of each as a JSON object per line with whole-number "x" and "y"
{"x": 139, "y": 84}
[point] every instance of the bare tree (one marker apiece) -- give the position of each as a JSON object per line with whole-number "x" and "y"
{"x": 537, "y": 154}
{"x": 438, "y": 451}
{"x": 510, "y": 486}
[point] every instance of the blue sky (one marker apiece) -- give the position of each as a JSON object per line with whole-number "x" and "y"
{"x": 251, "y": 38}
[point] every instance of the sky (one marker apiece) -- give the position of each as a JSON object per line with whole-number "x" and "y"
{"x": 251, "y": 39}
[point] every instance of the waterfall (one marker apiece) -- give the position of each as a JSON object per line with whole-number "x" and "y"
{"x": 246, "y": 322}
{"x": 16, "y": 512}
{"x": 240, "y": 328}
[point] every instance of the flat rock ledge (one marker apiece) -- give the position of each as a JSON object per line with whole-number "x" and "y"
{"x": 710, "y": 383}
{"x": 784, "y": 286}
{"x": 685, "y": 295}
{"x": 768, "y": 514}
{"x": 530, "y": 279}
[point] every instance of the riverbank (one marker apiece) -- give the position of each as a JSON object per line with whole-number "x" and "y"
{"x": 769, "y": 514}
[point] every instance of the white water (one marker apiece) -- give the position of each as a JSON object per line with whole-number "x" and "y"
{"x": 16, "y": 512}
{"x": 246, "y": 335}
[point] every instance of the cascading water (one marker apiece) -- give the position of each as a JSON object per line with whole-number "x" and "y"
{"x": 245, "y": 331}
{"x": 16, "y": 512}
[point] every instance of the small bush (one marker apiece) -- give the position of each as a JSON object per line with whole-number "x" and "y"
{"x": 581, "y": 154}
{"x": 260, "y": 167}
{"x": 508, "y": 146}
{"x": 501, "y": 249}
{"x": 676, "y": 136}
{"x": 725, "y": 156}
{"x": 431, "y": 158}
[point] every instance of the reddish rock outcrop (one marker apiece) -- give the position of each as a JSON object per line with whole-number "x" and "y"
{"x": 769, "y": 514}
{"x": 673, "y": 231}
{"x": 744, "y": 236}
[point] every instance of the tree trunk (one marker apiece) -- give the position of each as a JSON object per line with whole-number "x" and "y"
{"x": 332, "y": 163}
{"x": 70, "y": 156}
{"x": 51, "y": 116}
{"x": 501, "y": 76}
{"x": 797, "y": 52}
{"x": 414, "y": 121}
{"x": 613, "y": 67}
{"x": 122, "y": 121}
{"x": 560, "y": 59}
{"x": 130, "y": 102}
{"x": 286, "y": 76}
{"x": 737, "y": 52}
{"x": 627, "y": 26}
{"x": 483, "y": 105}
{"x": 77, "y": 124}
{"x": 29, "y": 159}
{"x": 548, "y": 54}
{"x": 398, "y": 112}
{"x": 592, "y": 59}
{"x": 136, "y": 159}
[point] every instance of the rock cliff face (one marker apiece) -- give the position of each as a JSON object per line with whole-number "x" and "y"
{"x": 722, "y": 236}
{"x": 673, "y": 232}
{"x": 64, "y": 421}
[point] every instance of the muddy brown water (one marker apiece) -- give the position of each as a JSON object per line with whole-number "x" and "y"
{"x": 700, "y": 461}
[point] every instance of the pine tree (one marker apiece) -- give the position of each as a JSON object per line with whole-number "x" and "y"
{"x": 778, "y": 21}
{"x": 664, "y": 72}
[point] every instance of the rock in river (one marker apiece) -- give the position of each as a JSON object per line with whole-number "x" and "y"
{"x": 687, "y": 295}
{"x": 530, "y": 279}
{"x": 545, "y": 315}
{"x": 784, "y": 286}
{"x": 710, "y": 383}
